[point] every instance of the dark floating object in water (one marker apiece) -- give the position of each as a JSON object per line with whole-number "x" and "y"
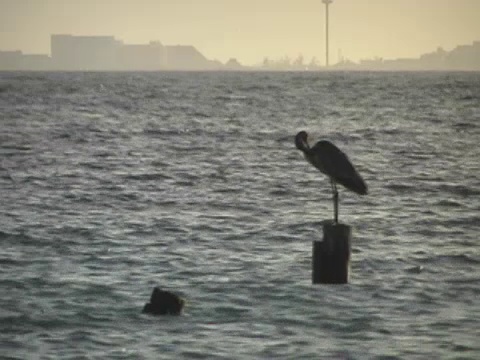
{"x": 164, "y": 303}
{"x": 331, "y": 161}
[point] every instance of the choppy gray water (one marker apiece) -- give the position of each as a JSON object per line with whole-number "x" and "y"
{"x": 114, "y": 183}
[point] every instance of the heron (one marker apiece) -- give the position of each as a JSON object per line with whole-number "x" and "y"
{"x": 331, "y": 161}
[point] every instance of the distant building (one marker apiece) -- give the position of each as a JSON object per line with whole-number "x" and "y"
{"x": 465, "y": 57}
{"x": 181, "y": 57}
{"x": 149, "y": 57}
{"x": 371, "y": 63}
{"x": 434, "y": 60}
{"x": 10, "y": 60}
{"x": 233, "y": 64}
{"x": 17, "y": 61}
{"x": 462, "y": 58}
{"x": 37, "y": 62}
{"x": 84, "y": 52}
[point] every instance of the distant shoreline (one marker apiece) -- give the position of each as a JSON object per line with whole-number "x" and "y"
{"x": 105, "y": 53}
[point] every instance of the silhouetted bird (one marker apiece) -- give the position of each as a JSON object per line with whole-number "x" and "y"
{"x": 331, "y": 161}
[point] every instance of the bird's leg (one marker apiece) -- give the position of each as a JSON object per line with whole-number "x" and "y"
{"x": 335, "y": 201}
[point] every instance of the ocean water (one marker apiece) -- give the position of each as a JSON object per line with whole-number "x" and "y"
{"x": 113, "y": 183}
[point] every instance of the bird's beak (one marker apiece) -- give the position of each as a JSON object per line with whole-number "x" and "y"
{"x": 305, "y": 143}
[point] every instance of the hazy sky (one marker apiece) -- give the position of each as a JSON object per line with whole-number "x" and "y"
{"x": 249, "y": 30}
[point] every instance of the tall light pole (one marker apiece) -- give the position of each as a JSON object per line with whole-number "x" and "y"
{"x": 326, "y": 2}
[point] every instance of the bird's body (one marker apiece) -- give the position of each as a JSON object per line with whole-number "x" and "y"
{"x": 331, "y": 161}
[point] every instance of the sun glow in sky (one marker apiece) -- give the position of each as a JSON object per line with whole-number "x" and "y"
{"x": 250, "y": 30}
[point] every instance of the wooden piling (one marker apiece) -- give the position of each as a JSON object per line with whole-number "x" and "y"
{"x": 331, "y": 256}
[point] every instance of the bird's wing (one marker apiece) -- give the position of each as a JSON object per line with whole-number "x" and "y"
{"x": 334, "y": 163}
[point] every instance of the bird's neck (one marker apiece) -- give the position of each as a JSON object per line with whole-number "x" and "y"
{"x": 305, "y": 148}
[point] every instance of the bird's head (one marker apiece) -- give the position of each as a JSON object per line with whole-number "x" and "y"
{"x": 301, "y": 141}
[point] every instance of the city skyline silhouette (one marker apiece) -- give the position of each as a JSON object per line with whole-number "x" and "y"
{"x": 107, "y": 53}
{"x": 249, "y": 31}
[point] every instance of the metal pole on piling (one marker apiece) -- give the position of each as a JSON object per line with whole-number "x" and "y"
{"x": 331, "y": 256}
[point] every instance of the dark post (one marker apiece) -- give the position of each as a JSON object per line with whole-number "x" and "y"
{"x": 164, "y": 303}
{"x": 331, "y": 256}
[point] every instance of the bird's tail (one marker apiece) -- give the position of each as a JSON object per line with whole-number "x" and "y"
{"x": 355, "y": 184}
